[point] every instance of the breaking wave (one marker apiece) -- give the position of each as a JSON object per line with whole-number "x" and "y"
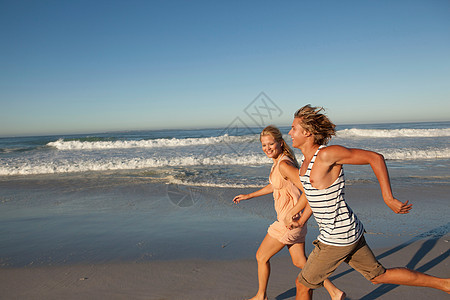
{"x": 31, "y": 167}
{"x": 72, "y": 166}
{"x": 393, "y": 133}
{"x": 412, "y": 154}
{"x": 62, "y": 144}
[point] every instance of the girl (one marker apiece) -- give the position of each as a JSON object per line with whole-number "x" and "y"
{"x": 283, "y": 179}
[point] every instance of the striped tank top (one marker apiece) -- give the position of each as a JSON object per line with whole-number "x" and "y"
{"x": 338, "y": 225}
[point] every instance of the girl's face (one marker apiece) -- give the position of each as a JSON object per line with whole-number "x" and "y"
{"x": 270, "y": 147}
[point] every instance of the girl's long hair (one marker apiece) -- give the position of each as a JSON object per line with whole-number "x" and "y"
{"x": 278, "y": 137}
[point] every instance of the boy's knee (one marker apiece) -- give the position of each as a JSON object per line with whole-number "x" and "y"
{"x": 302, "y": 290}
{"x": 297, "y": 283}
{"x": 382, "y": 278}
{"x": 378, "y": 280}
{"x": 300, "y": 286}
{"x": 375, "y": 280}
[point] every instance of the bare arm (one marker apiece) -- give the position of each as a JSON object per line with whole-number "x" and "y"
{"x": 291, "y": 172}
{"x": 307, "y": 212}
{"x": 264, "y": 191}
{"x": 294, "y": 221}
{"x": 338, "y": 155}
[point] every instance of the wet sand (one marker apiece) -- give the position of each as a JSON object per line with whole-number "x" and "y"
{"x": 125, "y": 238}
{"x": 205, "y": 279}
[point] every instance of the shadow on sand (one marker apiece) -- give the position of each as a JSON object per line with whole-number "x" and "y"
{"x": 430, "y": 239}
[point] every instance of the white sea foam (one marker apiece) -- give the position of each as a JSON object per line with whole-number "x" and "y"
{"x": 411, "y": 154}
{"x": 67, "y": 166}
{"x": 213, "y": 184}
{"x": 61, "y": 144}
{"x": 30, "y": 167}
{"x": 393, "y": 133}
{"x": 81, "y": 163}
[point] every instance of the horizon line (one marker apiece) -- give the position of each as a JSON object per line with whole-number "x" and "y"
{"x": 192, "y": 128}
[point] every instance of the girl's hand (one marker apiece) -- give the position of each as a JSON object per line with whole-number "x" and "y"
{"x": 241, "y": 197}
{"x": 288, "y": 220}
{"x": 295, "y": 224}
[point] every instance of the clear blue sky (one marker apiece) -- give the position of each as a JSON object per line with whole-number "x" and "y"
{"x": 90, "y": 66}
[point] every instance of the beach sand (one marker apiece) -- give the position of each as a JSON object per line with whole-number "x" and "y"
{"x": 204, "y": 279}
{"x": 123, "y": 238}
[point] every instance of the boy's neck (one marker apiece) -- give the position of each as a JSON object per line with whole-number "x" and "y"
{"x": 309, "y": 149}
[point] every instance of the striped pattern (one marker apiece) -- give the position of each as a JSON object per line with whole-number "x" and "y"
{"x": 338, "y": 225}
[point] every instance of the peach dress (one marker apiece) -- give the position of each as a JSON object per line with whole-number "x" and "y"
{"x": 285, "y": 195}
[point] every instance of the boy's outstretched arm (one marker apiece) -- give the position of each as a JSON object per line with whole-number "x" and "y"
{"x": 342, "y": 155}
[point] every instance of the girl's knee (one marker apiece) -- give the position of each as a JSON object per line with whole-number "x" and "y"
{"x": 299, "y": 262}
{"x": 261, "y": 257}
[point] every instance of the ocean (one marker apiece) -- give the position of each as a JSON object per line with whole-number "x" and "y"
{"x": 165, "y": 194}
{"x": 214, "y": 157}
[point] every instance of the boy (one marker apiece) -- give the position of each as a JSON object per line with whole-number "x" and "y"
{"x": 341, "y": 237}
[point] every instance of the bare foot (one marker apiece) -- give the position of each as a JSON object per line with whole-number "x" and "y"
{"x": 339, "y": 296}
{"x": 447, "y": 286}
{"x": 258, "y": 297}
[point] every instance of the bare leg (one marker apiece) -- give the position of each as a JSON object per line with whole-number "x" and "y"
{"x": 404, "y": 276}
{"x": 303, "y": 292}
{"x": 335, "y": 293}
{"x": 298, "y": 255}
{"x": 268, "y": 248}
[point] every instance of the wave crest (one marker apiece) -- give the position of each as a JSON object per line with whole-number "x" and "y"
{"x": 32, "y": 167}
{"x": 66, "y": 166}
{"x": 393, "y": 133}
{"x": 410, "y": 154}
{"x": 62, "y": 144}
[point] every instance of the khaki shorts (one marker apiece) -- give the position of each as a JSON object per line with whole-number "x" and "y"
{"x": 324, "y": 260}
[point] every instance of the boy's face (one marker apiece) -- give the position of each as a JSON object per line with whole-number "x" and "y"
{"x": 298, "y": 133}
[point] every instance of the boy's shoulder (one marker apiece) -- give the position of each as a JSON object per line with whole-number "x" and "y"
{"x": 329, "y": 154}
{"x": 330, "y": 150}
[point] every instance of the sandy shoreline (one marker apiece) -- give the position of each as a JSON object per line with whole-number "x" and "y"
{"x": 113, "y": 237}
{"x": 215, "y": 279}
